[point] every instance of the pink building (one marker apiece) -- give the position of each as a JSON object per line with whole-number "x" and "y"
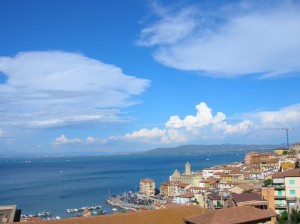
{"x": 248, "y": 157}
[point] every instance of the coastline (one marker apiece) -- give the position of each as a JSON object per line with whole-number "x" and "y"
{"x": 93, "y": 177}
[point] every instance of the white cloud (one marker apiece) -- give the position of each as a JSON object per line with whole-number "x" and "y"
{"x": 204, "y": 125}
{"x": 230, "y": 41}
{"x": 202, "y": 118}
{"x": 175, "y": 136}
{"x": 287, "y": 117}
{"x": 156, "y": 135}
{"x": 170, "y": 29}
{"x": 1, "y": 133}
{"x": 145, "y": 134}
{"x": 64, "y": 140}
{"x": 54, "y": 88}
{"x": 90, "y": 140}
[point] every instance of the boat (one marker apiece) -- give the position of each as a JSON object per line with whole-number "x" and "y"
{"x": 72, "y": 210}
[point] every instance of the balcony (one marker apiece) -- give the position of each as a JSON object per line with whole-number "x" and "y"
{"x": 277, "y": 206}
{"x": 278, "y": 187}
{"x": 279, "y": 196}
{"x": 291, "y": 198}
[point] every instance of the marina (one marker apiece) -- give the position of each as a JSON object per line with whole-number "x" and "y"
{"x": 73, "y": 210}
{"x": 130, "y": 201}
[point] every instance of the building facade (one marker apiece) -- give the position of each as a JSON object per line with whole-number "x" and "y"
{"x": 187, "y": 177}
{"x": 147, "y": 187}
{"x": 286, "y": 187}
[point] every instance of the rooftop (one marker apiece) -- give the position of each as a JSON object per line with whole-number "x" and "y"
{"x": 147, "y": 180}
{"x": 289, "y": 173}
{"x": 233, "y": 215}
{"x": 245, "y": 187}
{"x": 9, "y": 211}
{"x": 182, "y": 184}
{"x": 187, "y": 195}
{"x": 174, "y": 215}
{"x": 244, "y": 197}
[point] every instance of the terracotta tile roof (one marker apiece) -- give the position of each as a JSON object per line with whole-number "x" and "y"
{"x": 245, "y": 187}
{"x": 214, "y": 197}
{"x": 182, "y": 184}
{"x": 233, "y": 215}
{"x": 172, "y": 215}
{"x": 147, "y": 180}
{"x": 290, "y": 173}
{"x": 272, "y": 161}
{"x": 228, "y": 168}
{"x": 168, "y": 183}
{"x": 212, "y": 168}
{"x": 208, "y": 180}
{"x": 239, "y": 198}
{"x": 187, "y": 195}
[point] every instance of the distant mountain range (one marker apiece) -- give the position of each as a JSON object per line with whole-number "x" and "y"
{"x": 199, "y": 149}
{"x": 179, "y": 150}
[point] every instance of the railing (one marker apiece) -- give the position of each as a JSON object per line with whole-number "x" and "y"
{"x": 279, "y": 187}
{"x": 279, "y": 196}
{"x": 291, "y": 198}
{"x": 280, "y": 206}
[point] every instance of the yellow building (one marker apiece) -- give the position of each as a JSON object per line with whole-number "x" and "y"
{"x": 147, "y": 187}
{"x": 268, "y": 194}
{"x": 281, "y": 151}
{"x": 187, "y": 177}
{"x": 226, "y": 177}
{"x": 169, "y": 189}
{"x": 288, "y": 165}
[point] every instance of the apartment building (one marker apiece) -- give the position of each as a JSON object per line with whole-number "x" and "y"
{"x": 147, "y": 187}
{"x": 285, "y": 192}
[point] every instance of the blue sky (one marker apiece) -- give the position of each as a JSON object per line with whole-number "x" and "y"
{"x": 105, "y": 77}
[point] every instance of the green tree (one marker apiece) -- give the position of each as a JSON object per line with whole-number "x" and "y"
{"x": 295, "y": 216}
{"x": 247, "y": 191}
{"x": 195, "y": 201}
{"x": 283, "y": 218}
{"x": 267, "y": 182}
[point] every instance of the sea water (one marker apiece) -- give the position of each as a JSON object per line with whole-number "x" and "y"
{"x": 56, "y": 184}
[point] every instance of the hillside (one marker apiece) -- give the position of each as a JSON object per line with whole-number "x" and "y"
{"x": 198, "y": 149}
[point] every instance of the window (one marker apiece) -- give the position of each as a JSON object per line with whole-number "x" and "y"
{"x": 292, "y": 192}
{"x": 291, "y": 181}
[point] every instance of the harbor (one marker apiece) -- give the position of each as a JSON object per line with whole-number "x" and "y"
{"x": 130, "y": 202}
{"x": 76, "y": 210}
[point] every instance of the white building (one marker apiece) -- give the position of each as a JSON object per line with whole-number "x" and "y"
{"x": 209, "y": 172}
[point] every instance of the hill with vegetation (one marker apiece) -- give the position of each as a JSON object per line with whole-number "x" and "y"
{"x": 199, "y": 149}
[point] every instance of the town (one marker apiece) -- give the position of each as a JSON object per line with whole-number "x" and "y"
{"x": 264, "y": 188}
